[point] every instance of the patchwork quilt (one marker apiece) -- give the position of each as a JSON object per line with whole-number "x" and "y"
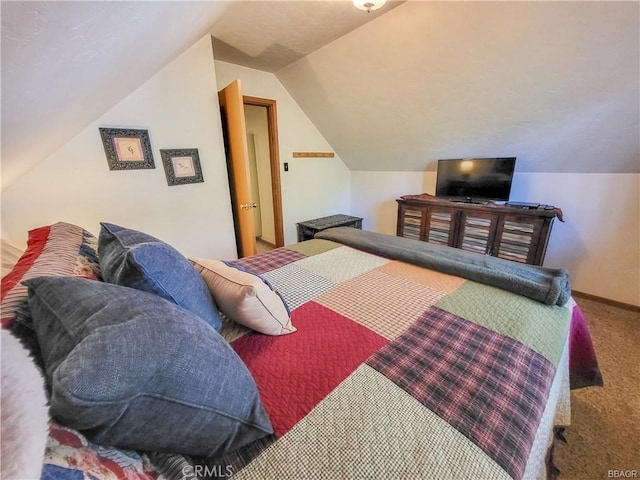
{"x": 398, "y": 370}
{"x": 395, "y": 371}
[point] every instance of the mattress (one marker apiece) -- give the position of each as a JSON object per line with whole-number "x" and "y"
{"x": 395, "y": 370}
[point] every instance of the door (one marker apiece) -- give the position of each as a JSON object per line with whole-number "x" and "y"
{"x": 477, "y": 231}
{"x": 441, "y": 226}
{"x": 235, "y": 135}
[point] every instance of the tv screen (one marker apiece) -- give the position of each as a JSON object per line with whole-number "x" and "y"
{"x": 475, "y": 179}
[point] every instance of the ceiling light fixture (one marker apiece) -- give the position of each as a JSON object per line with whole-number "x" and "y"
{"x": 369, "y": 5}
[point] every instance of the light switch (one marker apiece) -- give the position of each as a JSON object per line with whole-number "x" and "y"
{"x": 286, "y": 166}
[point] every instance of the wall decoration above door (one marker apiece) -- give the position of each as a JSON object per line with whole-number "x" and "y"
{"x": 127, "y": 148}
{"x": 182, "y": 166}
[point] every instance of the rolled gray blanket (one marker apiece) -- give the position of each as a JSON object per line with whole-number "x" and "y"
{"x": 546, "y": 285}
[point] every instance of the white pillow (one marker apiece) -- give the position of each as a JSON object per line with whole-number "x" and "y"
{"x": 245, "y": 298}
{"x": 25, "y": 415}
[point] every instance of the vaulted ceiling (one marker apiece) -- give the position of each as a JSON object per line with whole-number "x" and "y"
{"x": 554, "y": 83}
{"x": 269, "y": 35}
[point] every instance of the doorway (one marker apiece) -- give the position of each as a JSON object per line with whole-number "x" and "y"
{"x": 243, "y": 200}
{"x": 264, "y": 170}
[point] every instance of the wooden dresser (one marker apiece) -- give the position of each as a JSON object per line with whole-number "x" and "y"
{"x": 512, "y": 233}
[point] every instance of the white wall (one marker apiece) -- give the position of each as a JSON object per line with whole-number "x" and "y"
{"x": 373, "y": 196}
{"x": 313, "y": 187}
{"x": 179, "y": 107}
{"x": 599, "y": 242}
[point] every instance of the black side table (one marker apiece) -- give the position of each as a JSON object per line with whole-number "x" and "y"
{"x": 307, "y": 229}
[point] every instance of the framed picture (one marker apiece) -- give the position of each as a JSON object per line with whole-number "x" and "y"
{"x": 127, "y": 149}
{"x": 182, "y": 166}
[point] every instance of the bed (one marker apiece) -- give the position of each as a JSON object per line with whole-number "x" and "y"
{"x": 387, "y": 369}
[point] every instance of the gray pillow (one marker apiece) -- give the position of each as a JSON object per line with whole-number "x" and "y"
{"x": 134, "y": 259}
{"x": 130, "y": 369}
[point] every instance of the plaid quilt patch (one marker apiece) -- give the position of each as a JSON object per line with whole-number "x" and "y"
{"x": 270, "y": 260}
{"x": 341, "y": 264}
{"x": 313, "y": 247}
{"x": 510, "y": 314}
{"x": 489, "y": 387}
{"x": 429, "y": 278}
{"x": 369, "y": 298}
{"x": 297, "y": 285}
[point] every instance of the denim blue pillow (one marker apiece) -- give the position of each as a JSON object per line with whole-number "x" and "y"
{"x": 135, "y": 259}
{"x": 130, "y": 369}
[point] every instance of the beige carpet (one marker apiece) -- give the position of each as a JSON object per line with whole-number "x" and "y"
{"x": 605, "y": 431}
{"x": 262, "y": 246}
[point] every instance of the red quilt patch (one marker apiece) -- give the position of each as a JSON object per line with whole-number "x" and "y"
{"x": 35, "y": 244}
{"x": 295, "y": 372}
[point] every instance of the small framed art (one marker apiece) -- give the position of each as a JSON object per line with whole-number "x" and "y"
{"x": 127, "y": 148}
{"x": 182, "y": 166}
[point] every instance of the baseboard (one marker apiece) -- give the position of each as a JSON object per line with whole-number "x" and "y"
{"x": 607, "y": 301}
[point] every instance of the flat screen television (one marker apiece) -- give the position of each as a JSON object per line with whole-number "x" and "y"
{"x": 475, "y": 180}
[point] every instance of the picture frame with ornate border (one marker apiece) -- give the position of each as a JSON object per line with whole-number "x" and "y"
{"x": 127, "y": 148}
{"x": 182, "y": 166}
